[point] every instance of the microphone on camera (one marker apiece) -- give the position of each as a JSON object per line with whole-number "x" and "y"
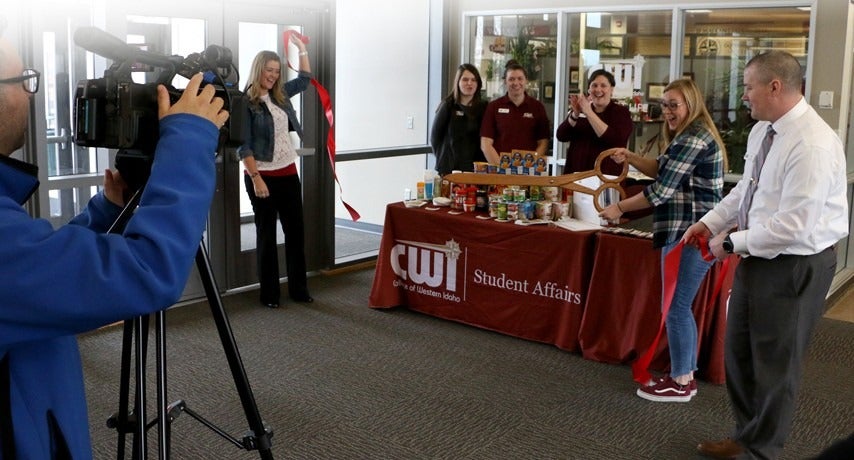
{"x": 111, "y": 47}
{"x": 103, "y": 44}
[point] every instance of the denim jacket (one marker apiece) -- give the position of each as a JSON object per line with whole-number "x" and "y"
{"x": 259, "y": 133}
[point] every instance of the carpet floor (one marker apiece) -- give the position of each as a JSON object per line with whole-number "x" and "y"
{"x": 338, "y": 380}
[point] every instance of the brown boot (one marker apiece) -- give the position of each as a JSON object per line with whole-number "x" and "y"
{"x": 726, "y": 449}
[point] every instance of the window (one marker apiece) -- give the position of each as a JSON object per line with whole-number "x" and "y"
{"x": 530, "y": 40}
{"x": 717, "y": 45}
{"x": 635, "y": 48}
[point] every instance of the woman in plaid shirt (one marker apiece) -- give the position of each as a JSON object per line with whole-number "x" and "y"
{"x": 689, "y": 179}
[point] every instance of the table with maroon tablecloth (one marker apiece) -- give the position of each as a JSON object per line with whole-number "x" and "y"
{"x": 591, "y": 292}
{"x": 623, "y": 309}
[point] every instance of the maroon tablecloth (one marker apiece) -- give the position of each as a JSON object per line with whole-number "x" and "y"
{"x": 623, "y": 310}
{"x": 593, "y": 292}
{"x": 529, "y": 282}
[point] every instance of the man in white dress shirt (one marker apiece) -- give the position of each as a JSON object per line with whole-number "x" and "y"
{"x": 793, "y": 211}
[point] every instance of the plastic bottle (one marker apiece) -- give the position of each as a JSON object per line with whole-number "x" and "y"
{"x": 428, "y": 184}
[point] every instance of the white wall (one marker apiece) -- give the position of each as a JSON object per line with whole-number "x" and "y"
{"x": 381, "y": 73}
{"x": 381, "y": 80}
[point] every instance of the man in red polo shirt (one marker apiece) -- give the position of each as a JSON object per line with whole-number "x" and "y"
{"x": 515, "y": 120}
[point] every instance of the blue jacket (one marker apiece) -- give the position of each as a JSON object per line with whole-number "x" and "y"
{"x": 260, "y": 133}
{"x": 58, "y": 283}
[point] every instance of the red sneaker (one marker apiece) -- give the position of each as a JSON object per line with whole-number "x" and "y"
{"x": 667, "y": 390}
{"x": 656, "y": 380}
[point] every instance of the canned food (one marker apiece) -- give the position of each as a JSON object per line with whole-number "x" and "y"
{"x": 560, "y": 210}
{"x": 550, "y": 193}
{"x": 544, "y": 210}
{"x": 493, "y": 206}
{"x": 523, "y": 210}
{"x": 509, "y": 193}
{"x": 501, "y": 208}
{"x": 512, "y": 211}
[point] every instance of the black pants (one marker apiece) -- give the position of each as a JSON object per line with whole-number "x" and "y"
{"x": 773, "y": 309}
{"x": 285, "y": 205}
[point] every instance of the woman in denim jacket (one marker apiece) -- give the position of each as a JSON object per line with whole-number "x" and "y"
{"x": 274, "y": 188}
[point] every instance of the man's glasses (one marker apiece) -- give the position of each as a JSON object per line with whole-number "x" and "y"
{"x": 670, "y": 105}
{"x": 29, "y": 79}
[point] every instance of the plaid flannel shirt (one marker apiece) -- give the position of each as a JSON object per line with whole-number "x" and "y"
{"x": 689, "y": 184}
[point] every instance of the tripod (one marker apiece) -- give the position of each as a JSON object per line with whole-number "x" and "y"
{"x": 136, "y": 422}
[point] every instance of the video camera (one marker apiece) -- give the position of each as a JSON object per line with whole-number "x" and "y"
{"x": 114, "y": 112}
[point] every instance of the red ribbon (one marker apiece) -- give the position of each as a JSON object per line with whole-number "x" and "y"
{"x": 326, "y": 101}
{"x": 640, "y": 367}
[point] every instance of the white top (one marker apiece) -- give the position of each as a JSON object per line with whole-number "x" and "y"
{"x": 283, "y": 151}
{"x": 800, "y": 206}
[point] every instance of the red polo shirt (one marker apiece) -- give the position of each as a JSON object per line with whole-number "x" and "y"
{"x": 515, "y": 127}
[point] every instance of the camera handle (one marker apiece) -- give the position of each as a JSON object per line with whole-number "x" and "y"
{"x": 259, "y": 435}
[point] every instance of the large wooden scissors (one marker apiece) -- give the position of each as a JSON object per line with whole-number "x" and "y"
{"x": 567, "y": 181}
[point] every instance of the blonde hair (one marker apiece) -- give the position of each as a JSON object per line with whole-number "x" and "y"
{"x": 277, "y": 93}
{"x": 696, "y": 111}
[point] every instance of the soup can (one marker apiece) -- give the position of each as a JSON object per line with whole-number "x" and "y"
{"x": 544, "y": 210}
{"x": 550, "y": 193}
{"x": 512, "y": 211}
{"x": 509, "y": 193}
{"x": 560, "y": 210}
{"x": 501, "y": 210}
{"x": 493, "y": 205}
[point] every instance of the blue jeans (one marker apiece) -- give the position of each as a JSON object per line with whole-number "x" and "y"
{"x": 681, "y": 327}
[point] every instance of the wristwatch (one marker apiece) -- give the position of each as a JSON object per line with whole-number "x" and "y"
{"x": 727, "y": 245}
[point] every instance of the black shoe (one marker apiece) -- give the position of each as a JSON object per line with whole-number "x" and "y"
{"x": 303, "y": 299}
{"x": 270, "y": 304}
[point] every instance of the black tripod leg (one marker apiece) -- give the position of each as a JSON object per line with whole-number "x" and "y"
{"x": 140, "y": 440}
{"x": 134, "y": 422}
{"x": 164, "y": 423}
{"x": 120, "y": 420}
{"x": 261, "y": 438}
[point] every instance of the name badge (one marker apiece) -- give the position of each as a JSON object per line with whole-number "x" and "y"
{"x": 528, "y": 115}
{"x": 503, "y": 110}
{"x": 460, "y": 113}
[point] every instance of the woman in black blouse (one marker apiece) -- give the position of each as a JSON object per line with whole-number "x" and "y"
{"x": 455, "y": 136}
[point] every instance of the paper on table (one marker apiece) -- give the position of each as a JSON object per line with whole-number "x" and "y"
{"x": 577, "y": 225}
{"x": 582, "y": 203}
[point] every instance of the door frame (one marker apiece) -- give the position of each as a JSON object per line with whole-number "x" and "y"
{"x": 234, "y": 266}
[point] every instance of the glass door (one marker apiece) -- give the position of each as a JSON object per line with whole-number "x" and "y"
{"x": 248, "y": 30}
{"x": 69, "y": 174}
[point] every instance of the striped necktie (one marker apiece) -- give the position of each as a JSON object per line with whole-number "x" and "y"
{"x": 758, "y": 162}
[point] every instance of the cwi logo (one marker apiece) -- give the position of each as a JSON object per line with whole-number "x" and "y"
{"x": 424, "y": 263}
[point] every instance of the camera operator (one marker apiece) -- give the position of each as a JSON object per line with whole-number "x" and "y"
{"x": 58, "y": 283}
